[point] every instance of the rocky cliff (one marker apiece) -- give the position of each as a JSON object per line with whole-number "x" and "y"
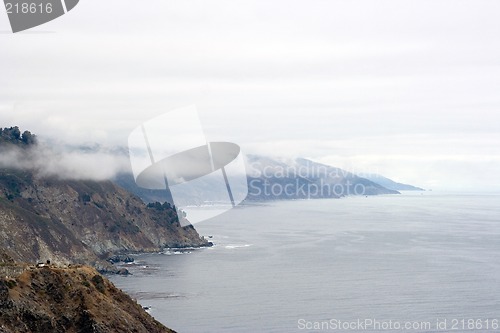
{"x": 70, "y": 221}
{"x": 69, "y": 300}
{"x": 76, "y": 221}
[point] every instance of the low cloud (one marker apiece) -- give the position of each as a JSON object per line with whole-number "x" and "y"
{"x": 62, "y": 162}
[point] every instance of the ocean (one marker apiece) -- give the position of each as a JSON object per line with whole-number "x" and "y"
{"x": 419, "y": 262}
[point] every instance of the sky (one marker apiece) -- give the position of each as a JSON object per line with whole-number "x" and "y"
{"x": 407, "y": 89}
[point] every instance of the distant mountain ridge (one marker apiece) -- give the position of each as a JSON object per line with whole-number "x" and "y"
{"x": 268, "y": 179}
{"x": 275, "y": 179}
{"x": 300, "y": 178}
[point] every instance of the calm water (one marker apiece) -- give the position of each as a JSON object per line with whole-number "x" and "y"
{"x": 284, "y": 266}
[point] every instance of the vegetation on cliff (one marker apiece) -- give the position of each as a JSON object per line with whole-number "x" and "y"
{"x": 13, "y": 136}
{"x": 69, "y": 300}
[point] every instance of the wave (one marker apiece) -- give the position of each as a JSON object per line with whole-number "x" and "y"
{"x": 237, "y": 246}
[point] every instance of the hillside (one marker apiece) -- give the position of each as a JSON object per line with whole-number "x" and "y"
{"x": 77, "y": 221}
{"x": 273, "y": 179}
{"x": 300, "y": 178}
{"x": 70, "y": 221}
{"x": 68, "y": 300}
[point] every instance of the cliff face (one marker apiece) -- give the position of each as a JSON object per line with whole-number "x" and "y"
{"x": 69, "y": 300}
{"x": 70, "y": 221}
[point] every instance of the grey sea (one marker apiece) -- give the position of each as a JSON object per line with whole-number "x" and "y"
{"x": 416, "y": 262}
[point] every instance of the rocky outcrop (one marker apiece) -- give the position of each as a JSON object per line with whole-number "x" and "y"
{"x": 69, "y": 300}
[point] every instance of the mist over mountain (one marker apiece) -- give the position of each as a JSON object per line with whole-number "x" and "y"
{"x": 272, "y": 179}
{"x": 45, "y": 158}
{"x": 76, "y": 221}
{"x": 269, "y": 178}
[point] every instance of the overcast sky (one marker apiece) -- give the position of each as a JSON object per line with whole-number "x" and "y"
{"x": 408, "y": 89}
